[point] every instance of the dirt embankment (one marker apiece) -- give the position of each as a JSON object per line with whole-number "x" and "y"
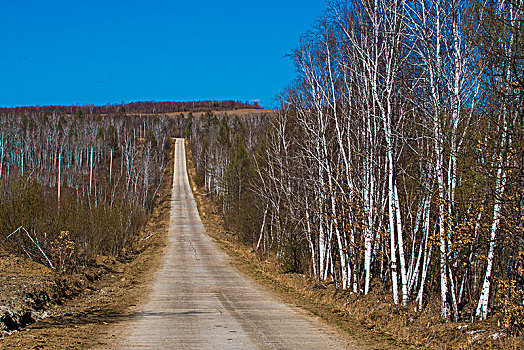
{"x": 372, "y": 318}
{"x": 41, "y": 310}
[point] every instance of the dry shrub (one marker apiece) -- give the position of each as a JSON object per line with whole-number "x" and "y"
{"x": 511, "y": 299}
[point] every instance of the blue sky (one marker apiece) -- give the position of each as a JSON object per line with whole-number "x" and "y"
{"x": 76, "y": 52}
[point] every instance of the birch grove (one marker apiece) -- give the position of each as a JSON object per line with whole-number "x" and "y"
{"x": 60, "y": 179}
{"x": 394, "y": 165}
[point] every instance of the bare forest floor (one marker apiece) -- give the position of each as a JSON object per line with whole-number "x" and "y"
{"x": 372, "y": 319}
{"x": 48, "y": 311}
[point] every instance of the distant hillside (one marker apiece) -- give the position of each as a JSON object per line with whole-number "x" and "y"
{"x": 139, "y": 107}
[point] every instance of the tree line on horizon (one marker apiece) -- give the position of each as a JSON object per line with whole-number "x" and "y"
{"x": 145, "y": 107}
{"x": 396, "y": 164}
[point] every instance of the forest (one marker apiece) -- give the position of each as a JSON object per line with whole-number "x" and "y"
{"x": 77, "y": 186}
{"x": 81, "y": 181}
{"x": 396, "y": 163}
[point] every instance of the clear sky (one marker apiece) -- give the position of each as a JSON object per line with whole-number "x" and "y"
{"x": 96, "y": 51}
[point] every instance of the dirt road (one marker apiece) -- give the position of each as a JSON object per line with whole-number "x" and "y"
{"x": 198, "y": 301}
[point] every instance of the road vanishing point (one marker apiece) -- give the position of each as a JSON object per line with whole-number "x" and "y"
{"x": 199, "y": 301}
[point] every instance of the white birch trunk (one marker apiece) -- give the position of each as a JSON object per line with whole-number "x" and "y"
{"x": 262, "y": 228}
{"x": 59, "y": 177}
{"x": 111, "y": 165}
{"x": 2, "y": 161}
{"x": 482, "y": 307}
{"x": 91, "y": 171}
{"x": 403, "y": 275}
{"x": 391, "y": 214}
{"x": 368, "y": 233}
